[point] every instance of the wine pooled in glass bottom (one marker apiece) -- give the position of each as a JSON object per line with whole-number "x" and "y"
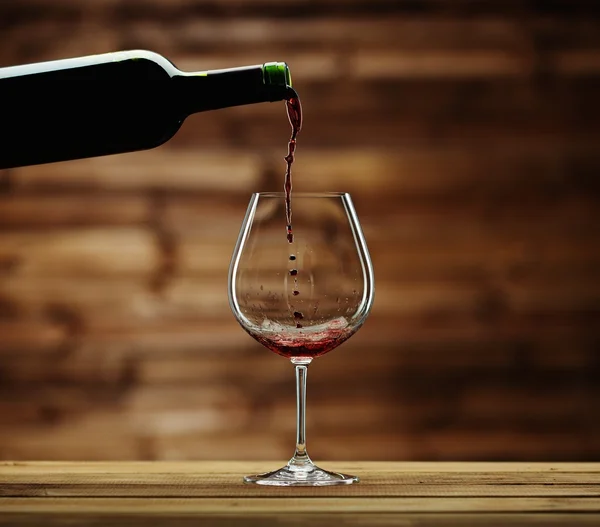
{"x": 302, "y": 343}
{"x": 301, "y": 299}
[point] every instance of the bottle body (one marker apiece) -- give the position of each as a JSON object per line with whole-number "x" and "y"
{"x": 115, "y": 103}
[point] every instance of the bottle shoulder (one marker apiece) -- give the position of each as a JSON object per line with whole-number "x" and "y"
{"x": 142, "y": 55}
{"x": 140, "y": 60}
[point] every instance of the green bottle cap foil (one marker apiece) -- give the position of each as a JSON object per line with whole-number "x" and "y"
{"x": 277, "y": 73}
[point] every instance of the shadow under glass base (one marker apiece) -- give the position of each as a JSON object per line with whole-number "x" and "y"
{"x": 308, "y": 475}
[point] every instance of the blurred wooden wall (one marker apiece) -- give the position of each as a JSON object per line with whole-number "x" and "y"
{"x": 469, "y": 136}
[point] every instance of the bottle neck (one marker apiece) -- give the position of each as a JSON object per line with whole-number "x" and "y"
{"x": 215, "y": 89}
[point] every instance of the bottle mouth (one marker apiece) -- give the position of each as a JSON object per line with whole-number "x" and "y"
{"x": 277, "y": 74}
{"x": 290, "y": 93}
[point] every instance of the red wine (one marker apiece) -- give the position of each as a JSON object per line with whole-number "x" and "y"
{"x": 294, "y": 112}
{"x": 116, "y": 102}
{"x": 309, "y": 342}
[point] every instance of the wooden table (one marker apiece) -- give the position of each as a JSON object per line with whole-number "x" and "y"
{"x": 212, "y": 493}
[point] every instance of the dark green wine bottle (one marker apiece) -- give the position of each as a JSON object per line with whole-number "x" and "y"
{"x": 115, "y": 103}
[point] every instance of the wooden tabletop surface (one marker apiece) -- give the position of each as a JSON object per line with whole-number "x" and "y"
{"x": 212, "y": 493}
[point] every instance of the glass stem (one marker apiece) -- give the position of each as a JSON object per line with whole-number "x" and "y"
{"x": 301, "y": 456}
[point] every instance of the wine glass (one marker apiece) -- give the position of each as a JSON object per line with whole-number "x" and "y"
{"x": 301, "y": 298}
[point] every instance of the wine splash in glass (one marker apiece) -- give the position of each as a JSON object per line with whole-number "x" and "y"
{"x": 301, "y": 299}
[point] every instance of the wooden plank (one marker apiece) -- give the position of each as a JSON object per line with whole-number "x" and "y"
{"x": 476, "y": 406}
{"x": 520, "y": 406}
{"x": 501, "y": 443}
{"x": 295, "y": 505}
{"x": 499, "y": 27}
{"x": 526, "y": 272}
{"x": 203, "y": 220}
{"x": 159, "y": 369}
{"x": 224, "y": 407}
{"x": 198, "y": 335}
{"x": 111, "y": 367}
{"x": 335, "y": 32}
{"x": 92, "y": 252}
{"x": 204, "y": 170}
{"x": 436, "y": 327}
{"x": 315, "y": 519}
{"x": 66, "y": 399}
{"x": 126, "y": 441}
{"x": 224, "y": 468}
{"x": 35, "y": 296}
{"x": 390, "y": 363}
{"x": 74, "y": 440}
{"x": 569, "y": 295}
{"x": 570, "y": 7}
{"x": 578, "y": 62}
{"x": 128, "y": 486}
{"x": 454, "y": 215}
{"x": 527, "y": 175}
{"x": 43, "y": 210}
{"x": 183, "y": 9}
{"x": 439, "y": 101}
{"x": 497, "y": 257}
{"x": 97, "y": 300}
{"x": 441, "y": 64}
{"x": 221, "y": 472}
{"x": 377, "y": 131}
{"x": 459, "y": 444}
{"x": 405, "y": 298}
{"x": 31, "y": 335}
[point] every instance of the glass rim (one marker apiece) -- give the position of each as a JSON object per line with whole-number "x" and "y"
{"x": 294, "y": 195}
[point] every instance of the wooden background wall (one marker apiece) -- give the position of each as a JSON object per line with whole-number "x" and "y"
{"x": 469, "y": 136}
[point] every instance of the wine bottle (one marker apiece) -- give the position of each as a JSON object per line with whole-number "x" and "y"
{"x": 116, "y": 102}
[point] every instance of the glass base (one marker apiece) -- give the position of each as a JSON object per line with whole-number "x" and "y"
{"x": 308, "y": 475}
